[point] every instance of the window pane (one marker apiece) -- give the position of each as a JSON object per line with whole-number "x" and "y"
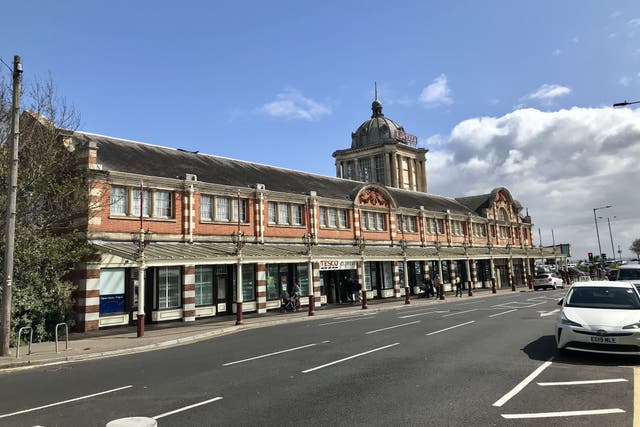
{"x": 303, "y": 279}
{"x": 273, "y": 291}
{"x": 332, "y": 217}
{"x": 118, "y": 201}
{"x": 323, "y": 217}
{"x": 283, "y": 213}
{"x": 204, "y": 285}
{"x": 272, "y": 213}
{"x": 222, "y": 209}
{"x": 248, "y": 282}
{"x": 297, "y": 214}
{"x": 168, "y": 287}
{"x": 205, "y": 208}
{"x": 146, "y": 201}
{"x": 163, "y": 203}
{"x": 343, "y": 218}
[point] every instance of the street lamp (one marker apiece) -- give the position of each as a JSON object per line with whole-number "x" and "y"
{"x": 239, "y": 239}
{"x": 595, "y": 219}
{"x": 141, "y": 239}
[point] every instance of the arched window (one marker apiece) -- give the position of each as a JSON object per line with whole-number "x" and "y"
{"x": 502, "y": 215}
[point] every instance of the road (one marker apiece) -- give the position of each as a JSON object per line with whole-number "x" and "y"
{"x": 488, "y": 361}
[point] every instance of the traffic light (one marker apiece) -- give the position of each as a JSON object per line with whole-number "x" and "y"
{"x": 604, "y": 257}
{"x": 590, "y": 256}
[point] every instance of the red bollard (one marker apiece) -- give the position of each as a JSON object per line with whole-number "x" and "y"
{"x": 364, "y": 300}
{"x": 407, "y": 295}
{"x": 312, "y": 305}
{"x": 513, "y": 284}
{"x": 140, "y": 324}
{"x": 239, "y": 313}
{"x": 493, "y": 286}
{"x": 441, "y": 286}
{"x": 529, "y": 281}
{"x": 469, "y": 284}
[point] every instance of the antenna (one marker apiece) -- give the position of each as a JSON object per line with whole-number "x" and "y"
{"x": 375, "y": 86}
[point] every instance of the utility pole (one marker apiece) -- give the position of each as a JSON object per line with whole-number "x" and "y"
{"x": 10, "y": 228}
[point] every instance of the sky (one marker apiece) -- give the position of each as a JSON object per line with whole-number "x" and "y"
{"x": 507, "y": 93}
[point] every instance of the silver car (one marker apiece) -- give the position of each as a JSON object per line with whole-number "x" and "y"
{"x": 600, "y": 317}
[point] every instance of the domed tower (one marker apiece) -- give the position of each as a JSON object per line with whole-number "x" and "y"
{"x": 382, "y": 152}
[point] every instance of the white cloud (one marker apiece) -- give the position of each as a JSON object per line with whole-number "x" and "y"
{"x": 625, "y": 81}
{"x": 559, "y": 165}
{"x": 548, "y": 92}
{"x": 438, "y": 92}
{"x": 291, "y": 104}
{"x": 634, "y": 22}
{"x": 557, "y": 52}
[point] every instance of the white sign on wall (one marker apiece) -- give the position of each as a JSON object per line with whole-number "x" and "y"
{"x": 337, "y": 265}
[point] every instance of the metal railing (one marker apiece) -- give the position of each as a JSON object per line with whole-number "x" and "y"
{"x": 66, "y": 330}
{"x": 20, "y": 339}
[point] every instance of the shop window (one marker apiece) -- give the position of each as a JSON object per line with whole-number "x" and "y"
{"x": 204, "y": 285}
{"x": 168, "y": 287}
{"x": 273, "y": 284}
{"x": 302, "y": 273}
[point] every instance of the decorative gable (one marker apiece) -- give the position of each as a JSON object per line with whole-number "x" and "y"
{"x": 373, "y": 197}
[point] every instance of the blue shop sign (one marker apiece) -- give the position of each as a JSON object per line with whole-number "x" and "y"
{"x": 110, "y": 304}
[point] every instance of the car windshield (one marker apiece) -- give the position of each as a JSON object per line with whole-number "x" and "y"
{"x": 542, "y": 276}
{"x": 603, "y": 297}
{"x": 629, "y": 274}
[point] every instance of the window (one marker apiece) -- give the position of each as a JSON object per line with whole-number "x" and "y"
{"x": 479, "y": 230}
{"x": 333, "y": 217}
{"x": 406, "y": 223}
{"x": 457, "y": 228}
{"x": 273, "y": 216}
{"x": 285, "y": 213}
{"x": 504, "y": 232}
{"x": 431, "y": 225}
{"x": 365, "y": 170}
{"x": 440, "y": 226}
{"x": 168, "y": 287}
{"x": 118, "y": 201}
{"x": 351, "y": 170}
{"x": 223, "y": 212}
{"x": 502, "y": 215}
{"x": 164, "y": 206}
{"x": 204, "y": 285}
{"x": 248, "y": 283}
{"x": 373, "y": 221}
{"x": 404, "y": 162}
{"x": 146, "y": 201}
{"x": 380, "y": 169}
{"x": 206, "y": 208}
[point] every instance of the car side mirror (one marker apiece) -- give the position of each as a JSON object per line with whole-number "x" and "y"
{"x": 561, "y": 301}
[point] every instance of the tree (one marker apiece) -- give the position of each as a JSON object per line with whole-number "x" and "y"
{"x": 635, "y": 248}
{"x": 52, "y": 209}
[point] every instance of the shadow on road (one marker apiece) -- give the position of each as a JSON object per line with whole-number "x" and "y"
{"x": 544, "y": 348}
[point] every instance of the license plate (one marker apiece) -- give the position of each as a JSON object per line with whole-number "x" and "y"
{"x": 603, "y": 340}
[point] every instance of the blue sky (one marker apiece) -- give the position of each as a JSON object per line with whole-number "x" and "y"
{"x": 502, "y": 93}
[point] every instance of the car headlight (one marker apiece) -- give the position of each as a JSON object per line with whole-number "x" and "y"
{"x": 566, "y": 321}
{"x": 632, "y": 326}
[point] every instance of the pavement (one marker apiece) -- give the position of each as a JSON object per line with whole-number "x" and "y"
{"x": 123, "y": 340}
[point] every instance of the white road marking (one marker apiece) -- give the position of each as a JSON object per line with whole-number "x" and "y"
{"x": 504, "y": 312}
{"x": 452, "y": 327}
{"x": 392, "y": 327}
{"x": 564, "y": 413}
{"x": 345, "y": 321}
{"x": 472, "y": 302}
{"x": 268, "y": 354}
{"x": 460, "y": 312}
{"x": 166, "y": 414}
{"x": 355, "y": 315}
{"x": 504, "y": 399}
{"x": 349, "y": 358}
{"x": 548, "y": 313}
{"x": 423, "y": 313}
{"x": 65, "y": 401}
{"x": 612, "y": 380}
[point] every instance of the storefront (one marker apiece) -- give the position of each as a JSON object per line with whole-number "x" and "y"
{"x": 335, "y": 277}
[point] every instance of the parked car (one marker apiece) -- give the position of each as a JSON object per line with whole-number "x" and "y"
{"x": 630, "y": 272}
{"x": 600, "y": 317}
{"x": 547, "y": 281}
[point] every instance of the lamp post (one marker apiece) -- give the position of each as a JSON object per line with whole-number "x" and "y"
{"x": 307, "y": 239}
{"x": 361, "y": 243}
{"x": 595, "y": 220}
{"x": 141, "y": 239}
{"x": 407, "y": 293}
{"x": 613, "y": 251}
{"x": 239, "y": 239}
{"x": 437, "y": 244}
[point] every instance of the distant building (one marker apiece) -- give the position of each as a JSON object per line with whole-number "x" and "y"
{"x": 219, "y": 229}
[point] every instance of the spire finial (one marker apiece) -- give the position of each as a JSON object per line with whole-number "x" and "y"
{"x": 375, "y": 86}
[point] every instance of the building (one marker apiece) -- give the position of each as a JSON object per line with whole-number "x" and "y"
{"x": 200, "y": 235}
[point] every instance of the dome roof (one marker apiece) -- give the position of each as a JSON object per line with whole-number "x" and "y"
{"x": 376, "y": 130}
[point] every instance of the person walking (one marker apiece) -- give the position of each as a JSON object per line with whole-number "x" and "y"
{"x": 458, "y": 287}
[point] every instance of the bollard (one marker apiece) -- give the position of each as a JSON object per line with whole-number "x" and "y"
{"x": 364, "y": 300}
{"x": 529, "y": 281}
{"x": 407, "y": 295}
{"x": 312, "y": 305}
{"x": 513, "y": 283}
{"x": 469, "y": 286}
{"x": 493, "y": 286}
{"x": 239, "y": 313}
{"x": 441, "y": 287}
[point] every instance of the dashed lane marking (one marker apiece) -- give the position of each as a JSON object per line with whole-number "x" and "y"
{"x": 564, "y": 413}
{"x": 504, "y": 312}
{"x": 451, "y": 327}
{"x": 460, "y": 312}
{"x": 269, "y": 354}
{"x": 349, "y": 358}
{"x": 612, "y": 380}
{"x": 423, "y": 313}
{"x": 392, "y": 327}
{"x": 175, "y": 411}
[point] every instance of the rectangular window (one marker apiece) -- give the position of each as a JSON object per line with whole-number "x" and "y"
{"x": 342, "y": 219}
{"x": 365, "y": 170}
{"x": 239, "y": 209}
{"x": 222, "y": 209}
{"x": 296, "y": 214}
{"x": 168, "y": 287}
{"x": 302, "y": 272}
{"x": 351, "y": 170}
{"x": 283, "y": 213}
{"x": 440, "y": 225}
{"x": 248, "y": 282}
{"x": 146, "y": 202}
{"x": 118, "y": 201}
{"x": 206, "y": 208}
{"x": 323, "y": 217}
{"x": 164, "y": 206}
{"x": 273, "y": 284}
{"x": 273, "y": 213}
{"x": 332, "y": 217}
{"x": 380, "y": 169}
{"x": 204, "y": 285}
{"x": 380, "y": 223}
{"x": 431, "y": 225}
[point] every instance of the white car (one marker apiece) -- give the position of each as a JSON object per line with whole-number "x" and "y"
{"x": 600, "y": 317}
{"x": 547, "y": 281}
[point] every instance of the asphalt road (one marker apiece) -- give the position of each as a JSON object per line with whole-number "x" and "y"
{"x": 470, "y": 361}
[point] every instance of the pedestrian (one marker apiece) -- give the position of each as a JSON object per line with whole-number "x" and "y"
{"x": 458, "y": 286}
{"x": 358, "y": 289}
{"x": 295, "y": 294}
